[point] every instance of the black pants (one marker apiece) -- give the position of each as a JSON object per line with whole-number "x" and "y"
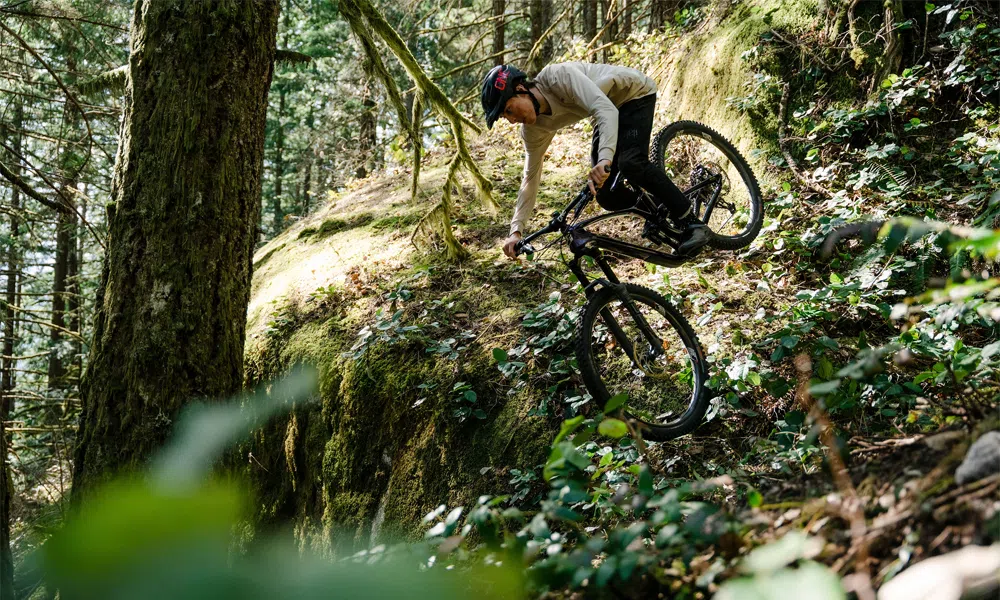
{"x": 635, "y": 125}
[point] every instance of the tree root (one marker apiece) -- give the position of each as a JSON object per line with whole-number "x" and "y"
{"x": 783, "y": 144}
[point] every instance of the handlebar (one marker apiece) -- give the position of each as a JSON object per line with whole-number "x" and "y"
{"x": 558, "y": 219}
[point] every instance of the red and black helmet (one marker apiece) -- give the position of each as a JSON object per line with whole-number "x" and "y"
{"x": 498, "y": 88}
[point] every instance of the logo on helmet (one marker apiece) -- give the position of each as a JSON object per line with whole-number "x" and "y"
{"x": 501, "y": 82}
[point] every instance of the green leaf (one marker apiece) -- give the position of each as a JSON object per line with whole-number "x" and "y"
{"x": 645, "y": 481}
{"x": 616, "y": 402}
{"x": 606, "y": 571}
{"x": 612, "y": 428}
{"x": 834, "y": 278}
{"x": 470, "y": 395}
{"x": 499, "y": 355}
{"x": 754, "y": 499}
{"x": 568, "y": 427}
{"x": 822, "y": 389}
{"x": 793, "y": 546}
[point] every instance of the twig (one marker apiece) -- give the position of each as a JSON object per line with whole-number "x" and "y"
{"x": 851, "y": 507}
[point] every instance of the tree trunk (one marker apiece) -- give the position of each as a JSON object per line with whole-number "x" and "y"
{"x": 65, "y": 232}
{"x": 73, "y": 303}
{"x": 306, "y": 183}
{"x": 170, "y": 324}
{"x": 499, "y": 27}
{"x": 367, "y": 127}
{"x": 589, "y": 19}
{"x": 611, "y": 25}
{"x": 662, "y": 13}
{"x": 65, "y": 225}
{"x": 891, "y": 59}
{"x": 627, "y": 22}
{"x": 541, "y": 17}
{"x": 279, "y": 166}
{"x": 7, "y": 374}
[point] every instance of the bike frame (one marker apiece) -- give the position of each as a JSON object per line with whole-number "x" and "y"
{"x": 583, "y": 243}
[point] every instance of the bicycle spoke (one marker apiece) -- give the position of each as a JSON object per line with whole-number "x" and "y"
{"x": 658, "y": 379}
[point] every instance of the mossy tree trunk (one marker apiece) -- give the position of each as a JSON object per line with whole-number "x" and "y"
{"x": 892, "y": 57}
{"x": 171, "y": 315}
{"x": 365, "y": 20}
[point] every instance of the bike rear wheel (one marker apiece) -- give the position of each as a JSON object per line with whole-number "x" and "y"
{"x": 664, "y": 380}
{"x": 730, "y": 204}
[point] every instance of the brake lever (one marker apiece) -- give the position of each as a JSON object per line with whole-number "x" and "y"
{"x": 586, "y": 190}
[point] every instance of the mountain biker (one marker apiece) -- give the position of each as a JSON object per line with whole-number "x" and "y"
{"x": 621, "y": 102}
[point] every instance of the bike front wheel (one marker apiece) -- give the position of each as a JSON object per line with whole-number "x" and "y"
{"x": 662, "y": 370}
{"x": 722, "y": 188}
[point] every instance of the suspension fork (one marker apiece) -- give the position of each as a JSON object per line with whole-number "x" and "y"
{"x": 611, "y": 280}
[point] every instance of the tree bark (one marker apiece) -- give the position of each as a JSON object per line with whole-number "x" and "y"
{"x": 891, "y": 59}
{"x": 499, "y": 28}
{"x": 74, "y": 305}
{"x": 169, "y": 327}
{"x": 367, "y": 126}
{"x": 65, "y": 230}
{"x": 610, "y": 25}
{"x": 541, "y": 17}
{"x": 627, "y": 23}
{"x": 306, "y": 191}
{"x": 590, "y": 19}
{"x": 7, "y": 374}
{"x": 64, "y": 235}
{"x": 279, "y": 166}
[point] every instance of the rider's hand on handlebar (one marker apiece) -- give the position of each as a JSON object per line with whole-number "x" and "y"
{"x": 598, "y": 175}
{"x": 509, "y": 243}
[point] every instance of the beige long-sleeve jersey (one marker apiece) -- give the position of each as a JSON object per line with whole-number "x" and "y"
{"x": 574, "y": 91}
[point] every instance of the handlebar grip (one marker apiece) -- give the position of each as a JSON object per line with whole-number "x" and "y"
{"x": 523, "y": 247}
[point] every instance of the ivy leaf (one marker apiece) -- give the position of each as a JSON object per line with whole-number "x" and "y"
{"x": 499, "y": 355}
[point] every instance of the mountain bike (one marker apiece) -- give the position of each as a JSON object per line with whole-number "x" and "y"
{"x": 630, "y": 339}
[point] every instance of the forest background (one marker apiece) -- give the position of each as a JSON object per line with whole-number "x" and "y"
{"x": 155, "y": 156}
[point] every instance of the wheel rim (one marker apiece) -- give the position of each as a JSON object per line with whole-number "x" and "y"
{"x": 689, "y": 159}
{"x": 660, "y": 386}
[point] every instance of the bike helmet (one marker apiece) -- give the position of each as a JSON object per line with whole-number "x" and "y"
{"x": 498, "y": 88}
